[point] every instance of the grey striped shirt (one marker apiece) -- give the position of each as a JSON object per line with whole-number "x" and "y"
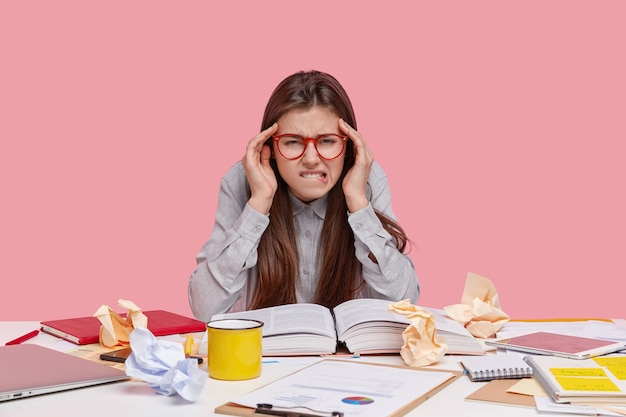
{"x": 225, "y": 274}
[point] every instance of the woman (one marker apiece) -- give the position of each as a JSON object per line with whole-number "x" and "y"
{"x": 306, "y": 215}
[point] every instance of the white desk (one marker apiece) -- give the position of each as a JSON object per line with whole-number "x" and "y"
{"x": 135, "y": 398}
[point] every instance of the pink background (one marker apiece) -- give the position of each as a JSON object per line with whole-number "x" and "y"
{"x": 501, "y": 126}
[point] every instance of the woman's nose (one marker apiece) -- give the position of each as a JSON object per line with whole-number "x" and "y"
{"x": 310, "y": 153}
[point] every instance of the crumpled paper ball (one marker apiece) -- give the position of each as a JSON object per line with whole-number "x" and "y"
{"x": 162, "y": 365}
{"x": 420, "y": 346}
{"x": 479, "y": 310}
{"x": 115, "y": 329}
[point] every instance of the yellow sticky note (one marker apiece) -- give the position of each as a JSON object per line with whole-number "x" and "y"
{"x": 618, "y": 372}
{"x": 188, "y": 344}
{"x": 611, "y": 361}
{"x": 587, "y": 384}
{"x": 577, "y": 372}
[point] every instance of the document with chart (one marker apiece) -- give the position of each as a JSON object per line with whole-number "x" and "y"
{"x": 352, "y": 387}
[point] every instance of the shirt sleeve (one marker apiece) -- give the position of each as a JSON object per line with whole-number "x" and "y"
{"x": 225, "y": 264}
{"x": 392, "y": 275}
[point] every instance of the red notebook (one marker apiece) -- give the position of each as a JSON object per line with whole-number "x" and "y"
{"x": 86, "y": 330}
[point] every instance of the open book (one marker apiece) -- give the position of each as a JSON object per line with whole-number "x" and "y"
{"x": 363, "y": 326}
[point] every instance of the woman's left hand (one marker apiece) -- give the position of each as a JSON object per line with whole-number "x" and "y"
{"x": 355, "y": 181}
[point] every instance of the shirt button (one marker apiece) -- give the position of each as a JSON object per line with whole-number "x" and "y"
{"x": 305, "y": 272}
{"x": 358, "y": 226}
{"x": 258, "y": 228}
{"x": 307, "y": 234}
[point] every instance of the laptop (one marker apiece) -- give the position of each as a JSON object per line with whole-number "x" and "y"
{"x": 28, "y": 370}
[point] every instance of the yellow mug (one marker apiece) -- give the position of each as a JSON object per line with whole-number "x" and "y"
{"x": 235, "y": 349}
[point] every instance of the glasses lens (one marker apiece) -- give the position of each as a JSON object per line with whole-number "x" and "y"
{"x": 291, "y": 146}
{"x": 328, "y": 146}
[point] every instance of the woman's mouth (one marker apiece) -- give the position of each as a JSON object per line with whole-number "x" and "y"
{"x": 320, "y": 176}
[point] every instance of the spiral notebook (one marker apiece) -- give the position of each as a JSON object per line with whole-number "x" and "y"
{"x": 500, "y": 366}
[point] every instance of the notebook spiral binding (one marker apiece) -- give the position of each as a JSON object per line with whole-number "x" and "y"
{"x": 501, "y": 373}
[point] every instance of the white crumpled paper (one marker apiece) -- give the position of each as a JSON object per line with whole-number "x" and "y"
{"x": 162, "y": 364}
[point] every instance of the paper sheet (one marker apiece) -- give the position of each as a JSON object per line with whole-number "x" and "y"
{"x": 528, "y": 386}
{"x": 547, "y": 406}
{"x": 355, "y": 388}
{"x": 584, "y": 328}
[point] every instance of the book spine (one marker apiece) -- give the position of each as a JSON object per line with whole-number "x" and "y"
{"x": 550, "y": 389}
{"x": 62, "y": 335}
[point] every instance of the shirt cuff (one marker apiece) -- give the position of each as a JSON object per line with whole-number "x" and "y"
{"x": 365, "y": 223}
{"x": 252, "y": 224}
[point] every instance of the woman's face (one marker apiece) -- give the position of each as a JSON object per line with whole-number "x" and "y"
{"x": 310, "y": 176}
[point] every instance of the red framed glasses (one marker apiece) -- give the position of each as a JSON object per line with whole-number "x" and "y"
{"x": 328, "y": 145}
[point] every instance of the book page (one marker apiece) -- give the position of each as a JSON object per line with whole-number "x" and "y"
{"x": 445, "y": 323}
{"x": 289, "y": 319}
{"x": 361, "y": 310}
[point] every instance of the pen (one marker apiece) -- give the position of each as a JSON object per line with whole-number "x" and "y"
{"x": 268, "y": 409}
{"x": 22, "y": 338}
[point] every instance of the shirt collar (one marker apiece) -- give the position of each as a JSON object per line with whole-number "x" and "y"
{"x": 318, "y": 206}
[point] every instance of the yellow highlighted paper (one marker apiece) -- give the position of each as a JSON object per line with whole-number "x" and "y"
{"x": 618, "y": 372}
{"x": 611, "y": 361}
{"x": 583, "y": 372}
{"x": 616, "y": 365}
{"x": 587, "y": 384}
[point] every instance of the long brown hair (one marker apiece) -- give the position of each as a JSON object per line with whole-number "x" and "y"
{"x": 340, "y": 276}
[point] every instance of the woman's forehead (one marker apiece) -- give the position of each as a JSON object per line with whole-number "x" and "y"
{"x": 309, "y": 121}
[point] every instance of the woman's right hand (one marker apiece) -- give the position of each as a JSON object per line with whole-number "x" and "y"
{"x": 256, "y": 163}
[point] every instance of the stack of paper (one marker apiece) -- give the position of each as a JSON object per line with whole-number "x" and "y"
{"x": 600, "y": 380}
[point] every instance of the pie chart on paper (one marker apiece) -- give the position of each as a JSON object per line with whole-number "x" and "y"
{"x": 357, "y": 400}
